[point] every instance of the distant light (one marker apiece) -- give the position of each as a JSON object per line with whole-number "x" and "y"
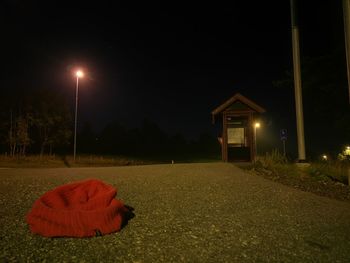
{"x": 257, "y": 125}
{"x": 325, "y": 157}
{"x": 347, "y": 150}
{"x": 79, "y": 74}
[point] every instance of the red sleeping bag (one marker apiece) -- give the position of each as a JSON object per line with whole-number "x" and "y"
{"x": 81, "y": 209}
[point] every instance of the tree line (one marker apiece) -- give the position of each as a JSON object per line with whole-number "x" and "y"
{"x": 146, "y": 141}
{"x": 41, "y": 122}
{"x": 37, "y": 123}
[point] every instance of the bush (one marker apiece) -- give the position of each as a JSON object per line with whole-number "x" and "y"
{"x": 325, "y": 171}
{"x": 276, "y": 164}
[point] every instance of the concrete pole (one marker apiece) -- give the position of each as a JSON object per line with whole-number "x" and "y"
{"x": 297, "y": 84}
{"x": 76, "y": 118}
{"x": 255, "y": 145}
{"x": 346, "y": 15}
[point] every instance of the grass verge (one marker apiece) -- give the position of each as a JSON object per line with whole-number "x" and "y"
{"x": 323, "y": 178}
{"x": 56, "y": 161}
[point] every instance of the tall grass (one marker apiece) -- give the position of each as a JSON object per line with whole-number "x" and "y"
{"x": 336, "y": 171}
{"x": 277, "y": 165}
{"x": 67, "y": 161}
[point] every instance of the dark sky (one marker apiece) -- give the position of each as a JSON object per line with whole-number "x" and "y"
{"x": 172, "y": 63}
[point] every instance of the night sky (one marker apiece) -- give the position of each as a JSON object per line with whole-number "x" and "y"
{"x": 171, "y": 63}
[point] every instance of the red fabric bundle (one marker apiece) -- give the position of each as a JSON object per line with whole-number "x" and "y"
{"x": 80, "y": 209}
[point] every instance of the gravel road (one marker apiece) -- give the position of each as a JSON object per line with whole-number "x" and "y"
{"x": 207, "y": 212}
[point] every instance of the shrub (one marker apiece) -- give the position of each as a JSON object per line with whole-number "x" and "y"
{"x": 276, "y": 164}
{"x": 336, "y": 171}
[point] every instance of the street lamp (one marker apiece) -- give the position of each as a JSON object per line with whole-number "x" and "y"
{"x": 324, "y": 157}
{"x": 78, "y": 74}
{"x": 347, "y": 151}
{"x": 256, "y": 126}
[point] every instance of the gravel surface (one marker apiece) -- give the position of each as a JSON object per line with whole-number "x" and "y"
{"x": 211, "y": 212}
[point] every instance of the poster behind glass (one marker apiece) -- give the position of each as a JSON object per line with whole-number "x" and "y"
{"x": 235, "y": 136}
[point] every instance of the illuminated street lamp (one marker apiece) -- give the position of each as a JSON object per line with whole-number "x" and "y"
{"x": 256, "y": 126}
{"x": 347, "y": 151}
{"x": 324, "y": 157}
{"x": 78, "y": 74}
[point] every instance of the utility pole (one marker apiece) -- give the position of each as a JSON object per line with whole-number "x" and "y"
{"x": 297, "y": 84}
{"x": 76, "y": 118}
{"x": 11, "y": 134}
{"x": 346, "y": 15}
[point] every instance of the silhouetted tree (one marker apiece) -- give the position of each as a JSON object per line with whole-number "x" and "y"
{"x": 22, "y": 134}
{"x": 177, "y": 145}
{"x": 40, "y": 119}
{"x": 325, "y": 100}
{"x": 113, "y": 139}
{"x": 52, "y": 120}
{"x": 153, "y": 139}
{"x": 87, "y": 140}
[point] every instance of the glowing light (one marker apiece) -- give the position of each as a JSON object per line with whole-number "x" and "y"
{"x": 257, "y": 125}
{"x": 347, "y": 151}
{"x": 79, "y": 74}
{"x": 325, "y": 157}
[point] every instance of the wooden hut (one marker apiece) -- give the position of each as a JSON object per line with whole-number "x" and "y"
{"x": 238, "y": 137}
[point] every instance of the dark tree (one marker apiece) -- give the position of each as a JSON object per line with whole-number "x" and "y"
{"x": 39, "y": 120}
{"x": 87, "y": 139}
{"x": 112, "y": 139}
{"x": 51, "y": 121}
{"x": 325, "y": 101}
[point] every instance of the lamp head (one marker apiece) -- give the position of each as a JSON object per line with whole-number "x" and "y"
{"x": 79, "y": 74}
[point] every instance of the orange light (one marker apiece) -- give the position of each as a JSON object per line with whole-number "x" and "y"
{"x": 347, "y": 151}
{"x": 257, "y": 125}
{"x": 79, "y": 74}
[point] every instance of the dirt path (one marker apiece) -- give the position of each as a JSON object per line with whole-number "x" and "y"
{"x": 184, "y": 213}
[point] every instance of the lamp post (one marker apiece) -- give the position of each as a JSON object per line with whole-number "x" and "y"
{"x": 256, "y": 126}
{"x": 297, "y": 84}
{"x": 325, "y": 157}
{"x": 346, "y": 15}
{"x": 347, "y": 151}
{"x": 78, "y": 74}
